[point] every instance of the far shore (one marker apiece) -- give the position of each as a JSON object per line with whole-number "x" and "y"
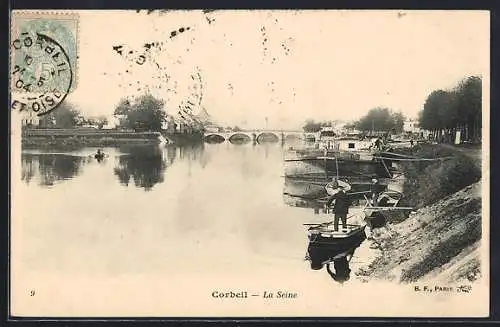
{"x": 41, "y": 138}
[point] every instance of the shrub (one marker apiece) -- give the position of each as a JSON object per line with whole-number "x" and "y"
{"x": 427, "y": 182}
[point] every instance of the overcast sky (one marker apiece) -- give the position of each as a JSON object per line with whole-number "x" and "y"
{"x": 284, "y": 65}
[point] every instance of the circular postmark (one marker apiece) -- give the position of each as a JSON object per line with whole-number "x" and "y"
{"x": 41, "y": 72}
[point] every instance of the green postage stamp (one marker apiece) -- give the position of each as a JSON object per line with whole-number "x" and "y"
{"x": 43, "y": 59}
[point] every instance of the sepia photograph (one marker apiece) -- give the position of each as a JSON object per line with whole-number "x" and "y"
{"x": 249, "y": 163}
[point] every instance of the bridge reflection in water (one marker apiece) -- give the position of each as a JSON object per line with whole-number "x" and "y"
{"x": 252, "y": 136}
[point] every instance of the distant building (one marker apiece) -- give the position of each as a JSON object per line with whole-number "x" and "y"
{"x": 213, "y": 128}
{"x": 31, "y": 119}
{"x": 411, "y": 126}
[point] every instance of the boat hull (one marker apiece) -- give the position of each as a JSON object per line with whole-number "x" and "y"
{"x": 303, "y": 188}
{"x": 326, "y": 238}
{"x": 322, "y": 250}
{"x": 314, "y": 187}
{"x": 349, "y": 165}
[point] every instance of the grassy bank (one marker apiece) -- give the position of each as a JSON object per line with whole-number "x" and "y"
{"x": 427, "y": 182}
{"x": 438, "y": 242}
{"x": 441, "y": 240}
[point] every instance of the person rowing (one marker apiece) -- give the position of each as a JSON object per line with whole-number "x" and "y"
{"x": 99, "y": 155}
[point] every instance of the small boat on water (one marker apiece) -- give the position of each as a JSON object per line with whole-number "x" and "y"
{"x": 326, "y": 235}
{"x": 99, "y": 155}
{"x": 327, "y": 246}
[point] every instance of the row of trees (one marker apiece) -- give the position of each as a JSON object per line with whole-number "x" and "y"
{"x": 144, "y": 113}
{"x": 447, "y": 111}
{"x": 379, "y": 119}
{"x": 68, "y": 116}
{"x": 312, "y": 126}
{"x": 147, "y": 113}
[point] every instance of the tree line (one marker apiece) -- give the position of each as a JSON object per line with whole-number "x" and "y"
{"x": 378, "y": 119}
{"x": 68, "y": 116}
{"x": 460, "y": 109}
{"x": 144, "y": 113}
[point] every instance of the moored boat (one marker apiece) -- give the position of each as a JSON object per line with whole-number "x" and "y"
{"x": 327, "y": 246}
{"x": 316, "y": 186}
{"x": 337, "y": 155}
{"x": 304, "y": 188}
{"x": 326, "y": 235}
{"x": 320, "y": 254}
{"x": 342, "y": 164}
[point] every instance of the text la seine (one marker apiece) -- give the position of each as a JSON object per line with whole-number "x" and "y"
{"x": 245, "y": 295}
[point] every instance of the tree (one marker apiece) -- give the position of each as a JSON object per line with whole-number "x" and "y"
{"x": 311, "y": 126}
{"x": 350, "y": 126}
{"x": 398, "y": 122}
{"x": 101, "y": 121}
{"x": 469, "y": 106}
{"x": 454, "y": 110}
{"x": 146, "y": 113}
{"x": 64, "y": 116}
{"x": 431, "y": 119}
{"x": 381, "y": 119}
{"x": 144, "y": 165}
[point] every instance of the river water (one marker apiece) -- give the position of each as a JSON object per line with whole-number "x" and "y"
{"x": 213, "y": 211}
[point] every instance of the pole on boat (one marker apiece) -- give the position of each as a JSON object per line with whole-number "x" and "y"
{"x": 337, "y": 166}
{"x": 324, "y": 161}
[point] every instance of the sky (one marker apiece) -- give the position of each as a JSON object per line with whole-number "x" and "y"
{"x": 287, "y": 66}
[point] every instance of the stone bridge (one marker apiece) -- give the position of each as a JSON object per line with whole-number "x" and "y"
{"x": 256, "y": 136}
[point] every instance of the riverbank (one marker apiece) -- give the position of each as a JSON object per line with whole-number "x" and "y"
{"x": 441, "y": 239}
{"x": 183, "y": 138}
{"x": 76, "y": 138}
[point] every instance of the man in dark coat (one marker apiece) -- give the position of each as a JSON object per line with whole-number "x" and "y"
{"x": 378, "y": 144}
{"x": 341, "y": 208}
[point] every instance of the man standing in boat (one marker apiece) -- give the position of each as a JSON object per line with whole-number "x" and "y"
{"x": 340, "y": 209}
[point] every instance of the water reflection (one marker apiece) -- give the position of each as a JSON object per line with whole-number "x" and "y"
{"x": 143, "y": 164}
{"x": 171, "y": 153}
{"x": 328, "y": 251}
{"x": 300, "y": 202}
{"x": 342, "y": 271}
{"x": 50, "y": 168}
{"x": 192, "y": 152}
{"x": 217, "y": 194}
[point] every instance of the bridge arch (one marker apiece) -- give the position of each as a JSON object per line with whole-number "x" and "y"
{"x": 267, "y": 137}
{"x": 214, "y": 138}
{"x": 239, "y": 138}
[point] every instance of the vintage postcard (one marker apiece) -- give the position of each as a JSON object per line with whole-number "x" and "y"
{"x": 249, "y": 163}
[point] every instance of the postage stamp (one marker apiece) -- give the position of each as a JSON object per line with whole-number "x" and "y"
{"x": 43, "y": 59}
